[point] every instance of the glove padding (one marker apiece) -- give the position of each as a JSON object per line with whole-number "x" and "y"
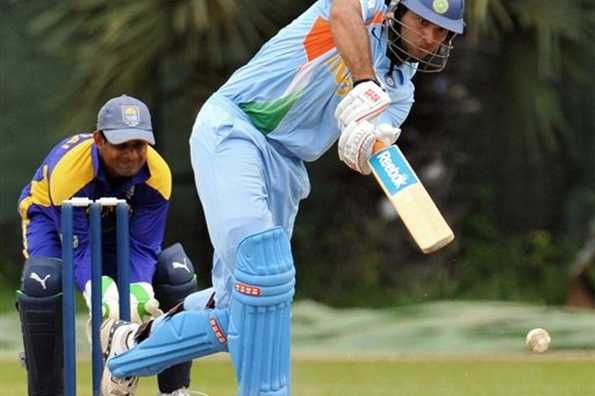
{"x": 110, "y": 304}
{"x": 356, "y": 143}
{"x": 363, "y": 102}
{"x": 143, "y": 305}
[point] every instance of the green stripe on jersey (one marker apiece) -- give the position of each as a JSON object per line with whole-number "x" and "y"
{"x": 267, "y": 115}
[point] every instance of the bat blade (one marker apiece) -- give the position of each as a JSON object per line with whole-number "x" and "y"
{"x": 416, "y": 208}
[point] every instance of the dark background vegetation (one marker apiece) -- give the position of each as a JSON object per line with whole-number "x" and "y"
{"x": 503, "y": 140}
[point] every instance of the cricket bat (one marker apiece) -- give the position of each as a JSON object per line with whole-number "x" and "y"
{"x": 410, "y": 198}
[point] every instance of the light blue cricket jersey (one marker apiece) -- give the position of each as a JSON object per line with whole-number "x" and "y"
{"x": 292, "y": 86}
{"x": 251, "y": 137}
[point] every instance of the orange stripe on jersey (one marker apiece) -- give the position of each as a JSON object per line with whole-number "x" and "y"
{"x": 377, "y": 19}
{"x": 319, "y": 39}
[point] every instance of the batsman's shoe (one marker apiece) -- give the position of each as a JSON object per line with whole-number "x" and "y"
{"x": 117, "y": 337}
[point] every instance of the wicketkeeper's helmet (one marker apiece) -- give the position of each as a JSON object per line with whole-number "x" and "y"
{"x": 448, "y": 14}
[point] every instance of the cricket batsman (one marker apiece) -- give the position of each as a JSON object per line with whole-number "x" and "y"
{"x": 116, "y": 160}
{"x": 341, "y": 71}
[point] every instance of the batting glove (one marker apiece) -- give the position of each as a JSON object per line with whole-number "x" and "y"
{"x": 143, "y": 305}
{"x": 356, "y": 143}
{"x": 364, "y": 102}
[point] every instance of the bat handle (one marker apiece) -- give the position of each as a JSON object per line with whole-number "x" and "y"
{"x": 378, "y": 145}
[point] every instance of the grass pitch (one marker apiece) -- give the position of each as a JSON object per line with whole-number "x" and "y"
{"x": 515, "y": 376}
{"x": 431, "y": 349}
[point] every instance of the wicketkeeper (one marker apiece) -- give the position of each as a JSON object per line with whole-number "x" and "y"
{"x": 116, "y": 160}
{"x": 341, "y": 71}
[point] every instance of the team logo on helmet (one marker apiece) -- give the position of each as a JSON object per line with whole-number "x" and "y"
{"x": 440, "y": 6}
{"x": 131, "y": 115}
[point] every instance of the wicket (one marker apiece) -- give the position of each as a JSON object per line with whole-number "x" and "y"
{"x": 68, "y": 289}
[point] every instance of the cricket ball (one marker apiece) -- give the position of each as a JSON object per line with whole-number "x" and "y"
{"x": 538, "y": 340}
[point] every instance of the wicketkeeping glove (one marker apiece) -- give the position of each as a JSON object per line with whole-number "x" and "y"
{"x": 356, "y": 143}
{"x": 143, "y": 304}
{"x": 110, "y": 307}
{"x": 364, "y": 102}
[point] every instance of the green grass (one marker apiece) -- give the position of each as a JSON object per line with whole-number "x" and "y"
{"x": 439, "y": 348}
{"x": 527, "y": 376}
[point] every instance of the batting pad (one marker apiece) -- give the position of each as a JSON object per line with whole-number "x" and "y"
{"x": 177, "y": 339}
{"x": 260, "y": 317}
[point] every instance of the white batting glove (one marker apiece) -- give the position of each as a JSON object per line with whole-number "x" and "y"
{"x": 143, "y": 305}
{"x": 356, "y": 143}
{"x": 110, "y": 306}
{"x": 364, "y": 102}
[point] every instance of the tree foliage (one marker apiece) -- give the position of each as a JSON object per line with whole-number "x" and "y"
{"x": 159, "y": 49}
{"x": 508, "y": 125}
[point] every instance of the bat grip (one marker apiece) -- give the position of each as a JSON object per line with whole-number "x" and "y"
{"x": 378, "y": 145}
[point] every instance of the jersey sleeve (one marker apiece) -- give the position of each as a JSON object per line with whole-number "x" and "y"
{"x": 147, "y": 229}
{"x": 402, "y": 99}
{"x": 148, "y": 220}
{"x": 82, "y": 247}
{"x": 395, "y": 114}
{"x": 369, "y": 8}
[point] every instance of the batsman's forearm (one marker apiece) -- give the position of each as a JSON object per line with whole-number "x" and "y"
{"x": 351, "y": 38}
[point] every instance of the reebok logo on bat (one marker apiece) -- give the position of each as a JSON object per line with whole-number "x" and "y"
{"x": 392, "y": 170}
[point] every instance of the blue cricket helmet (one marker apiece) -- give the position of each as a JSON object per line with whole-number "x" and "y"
{"x": 447, "y": 14}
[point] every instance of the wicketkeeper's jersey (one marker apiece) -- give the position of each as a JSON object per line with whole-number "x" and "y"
{"x": 292, "y": 86}
{"x": 73, "y": 168}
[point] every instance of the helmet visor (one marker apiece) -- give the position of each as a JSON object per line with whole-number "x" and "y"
{"x": 403, "y": 46}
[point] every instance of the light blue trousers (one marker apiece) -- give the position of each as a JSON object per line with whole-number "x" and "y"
{"x": 246, "y": 185}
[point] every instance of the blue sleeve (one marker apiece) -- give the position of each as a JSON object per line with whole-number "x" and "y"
{"x": 401, "y": 102}
{"x": 395, "y": 114}
{"x": 369, "y": 8}
{"x": 147, "y": 229}
{"x": 82, "y": 247}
